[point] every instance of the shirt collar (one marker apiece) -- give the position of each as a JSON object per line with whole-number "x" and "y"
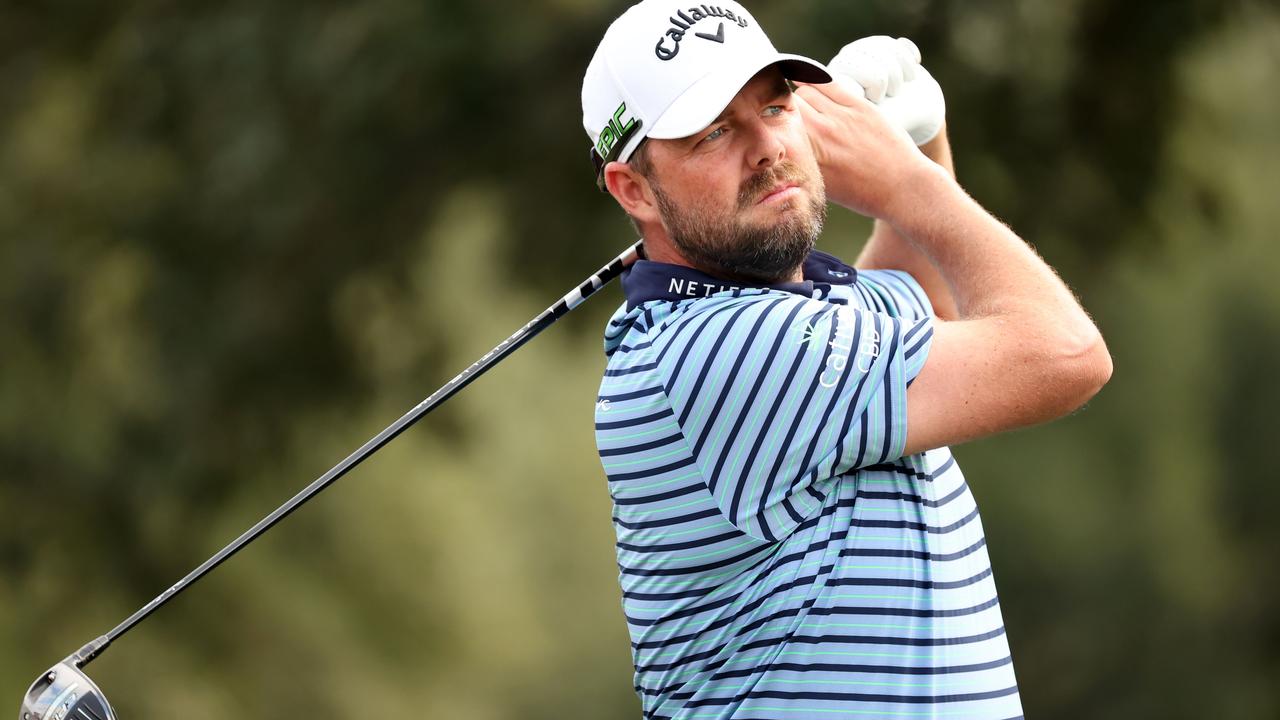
{"x": 646, "y": 281}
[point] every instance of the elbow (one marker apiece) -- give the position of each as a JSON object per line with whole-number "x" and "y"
{"x": 1102, "y": 365}
{"x": 1081, "y": 367}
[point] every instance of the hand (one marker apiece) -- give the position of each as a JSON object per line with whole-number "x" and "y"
{"x": 869, "y": 165}
{"x": 889, "y": 74}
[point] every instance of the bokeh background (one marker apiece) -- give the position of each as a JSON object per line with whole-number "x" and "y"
{"x": 239, "y": 238}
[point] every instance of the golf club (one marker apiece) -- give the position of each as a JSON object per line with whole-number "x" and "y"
{"x": 64, "y": 692}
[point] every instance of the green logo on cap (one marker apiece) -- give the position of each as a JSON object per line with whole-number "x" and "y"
{"x": 614, "y": 131}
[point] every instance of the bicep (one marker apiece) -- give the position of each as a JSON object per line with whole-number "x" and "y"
{"x": 981, "y": 377}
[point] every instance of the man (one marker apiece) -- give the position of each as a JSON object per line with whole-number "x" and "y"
{"x": 794, "y": 538}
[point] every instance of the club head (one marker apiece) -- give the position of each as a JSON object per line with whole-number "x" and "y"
{"x": 64, "y": 692}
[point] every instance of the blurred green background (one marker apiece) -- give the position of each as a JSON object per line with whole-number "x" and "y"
{"x": 239, "y": 238}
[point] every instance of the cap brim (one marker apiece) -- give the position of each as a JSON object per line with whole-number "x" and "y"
{"x": 699, "y": 106}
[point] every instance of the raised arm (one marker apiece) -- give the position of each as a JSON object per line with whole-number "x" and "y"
{"x": 887, "y": 71}
{"x": 1022, "y": 350}
{"x": 887, "y": 249}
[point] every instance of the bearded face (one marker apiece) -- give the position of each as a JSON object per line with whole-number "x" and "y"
{"x": 736, "y": 242}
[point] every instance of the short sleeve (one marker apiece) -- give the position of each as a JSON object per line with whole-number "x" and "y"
{"x": 893, "y": 292}
{"x": 777, "y": 395}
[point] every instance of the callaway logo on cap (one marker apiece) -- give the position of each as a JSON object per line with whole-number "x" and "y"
{"x": 667, "y": 69}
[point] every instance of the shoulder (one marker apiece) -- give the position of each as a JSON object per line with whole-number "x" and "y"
{"x": 765, "y": 333}
{"x": 893, "y": 292}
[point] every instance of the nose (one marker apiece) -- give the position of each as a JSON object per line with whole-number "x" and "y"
{"x": 767, "y": 148}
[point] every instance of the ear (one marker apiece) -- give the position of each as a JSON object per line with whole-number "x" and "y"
{"x": 632, "y": 192}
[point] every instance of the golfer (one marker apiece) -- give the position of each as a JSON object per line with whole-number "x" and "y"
{"x": 794, "y": 538}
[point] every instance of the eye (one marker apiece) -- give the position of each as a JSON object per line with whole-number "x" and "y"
{"x": 714, "y": 134}
{"x": 774, "y": 110}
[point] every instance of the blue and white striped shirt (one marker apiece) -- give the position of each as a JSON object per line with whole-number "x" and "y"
{"x": 779, "y": 558}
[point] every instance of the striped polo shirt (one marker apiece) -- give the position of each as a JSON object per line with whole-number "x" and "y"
{"x": 779, "y": 557}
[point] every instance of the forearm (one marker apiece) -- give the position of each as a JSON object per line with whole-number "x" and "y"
{"x": 886, "y": 249}
{"x": 992, "y": 274}
{"x": 1023, "y": 351}
{"x": 990, "y": 271}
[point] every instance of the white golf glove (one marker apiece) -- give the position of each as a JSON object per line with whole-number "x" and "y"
{"x": 888, "y": 73}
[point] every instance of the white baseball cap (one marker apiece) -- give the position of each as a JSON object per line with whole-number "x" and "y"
{"x": 666, "y": 69}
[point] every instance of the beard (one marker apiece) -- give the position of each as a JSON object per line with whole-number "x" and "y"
{"x": 721, "y": 244}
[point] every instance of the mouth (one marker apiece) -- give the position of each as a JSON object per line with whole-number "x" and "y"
{"x": 779, "y": 192}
